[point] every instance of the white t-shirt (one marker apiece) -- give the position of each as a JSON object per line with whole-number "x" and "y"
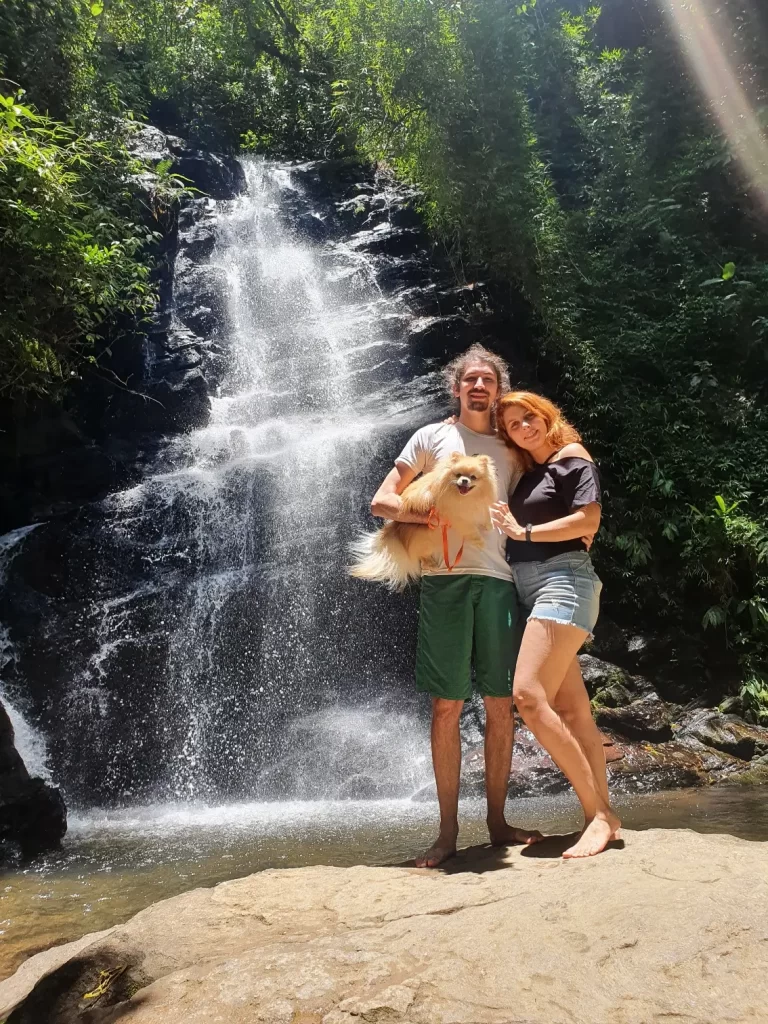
{"x": 439, "y": 440}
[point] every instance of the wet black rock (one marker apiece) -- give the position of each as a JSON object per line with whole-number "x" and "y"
{"x": 215, "y": 174}
{"x": 727, "y": 733}
{"x": 33, "y": 817}
{"x": 609, "y": 685}
{"x": 647, "y": 767}
{"x": 644, "y": 719}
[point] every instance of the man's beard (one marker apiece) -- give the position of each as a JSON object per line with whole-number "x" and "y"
{"x": 478, "y": 404}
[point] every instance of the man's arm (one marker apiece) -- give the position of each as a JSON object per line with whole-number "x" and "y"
{"x": 386, "y": 501}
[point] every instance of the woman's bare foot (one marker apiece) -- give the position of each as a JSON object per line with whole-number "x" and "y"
{"x": 437, "y": 854}
{"x": 507, "y": 835}
{"x": 595, "y": 836}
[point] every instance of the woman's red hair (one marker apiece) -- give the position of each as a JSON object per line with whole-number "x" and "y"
{"x": 559, "y": 431}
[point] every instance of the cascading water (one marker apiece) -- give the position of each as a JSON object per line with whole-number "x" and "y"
{"x": 209, "y": 645}
{"x": 28, "y": 740}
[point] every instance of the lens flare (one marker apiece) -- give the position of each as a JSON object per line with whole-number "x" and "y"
{"x": 702, "y": 29}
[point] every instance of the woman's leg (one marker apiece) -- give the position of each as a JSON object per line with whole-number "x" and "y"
{"x": 572, "y": 704}
{"x": 546, "y": 653}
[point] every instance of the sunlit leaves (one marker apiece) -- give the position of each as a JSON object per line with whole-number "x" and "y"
{"x": 70, "y": 258}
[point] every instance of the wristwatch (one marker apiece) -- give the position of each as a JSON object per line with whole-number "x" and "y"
{"x": 528, "y": 528}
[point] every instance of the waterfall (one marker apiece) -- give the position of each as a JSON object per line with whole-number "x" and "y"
{"x": 28, "y": 739}
{"x": 211, "y": 626}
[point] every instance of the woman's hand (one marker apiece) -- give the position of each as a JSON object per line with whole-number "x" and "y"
{"x": 450, "y": 420}
{"x": 503, "y": 519}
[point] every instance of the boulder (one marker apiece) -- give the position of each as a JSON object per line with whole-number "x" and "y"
{"x": 609, "y": 685}
{"x": 33, "y": 818}
{"x": 656, "y": 928}
{"x": 647, "y": 767}
{"x": 217, "y": 175}
{"x": 644, "y": 719}
{"x": 728, "y": 733}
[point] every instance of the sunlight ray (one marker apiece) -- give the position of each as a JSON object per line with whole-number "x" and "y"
{"x": 699, "y": 27}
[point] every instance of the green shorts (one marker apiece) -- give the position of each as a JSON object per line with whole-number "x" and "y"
{"x": 463, "y": 619}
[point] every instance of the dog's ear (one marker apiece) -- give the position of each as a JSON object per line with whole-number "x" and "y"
{"x": 455, "y": 456}
{"x": 486, "y": 460}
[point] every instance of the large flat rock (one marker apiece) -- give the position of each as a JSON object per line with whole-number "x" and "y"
{"x": 671, "y": 926}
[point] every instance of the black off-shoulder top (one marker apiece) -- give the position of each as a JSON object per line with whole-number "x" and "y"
{"x": 549, "y": 492}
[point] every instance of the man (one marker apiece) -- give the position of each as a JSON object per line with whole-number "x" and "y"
{"x": 467, "y": 613}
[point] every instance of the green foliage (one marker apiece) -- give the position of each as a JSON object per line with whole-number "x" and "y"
{"x": 213, "y": 70}
{"x": 754, "y": 697}
{"x": 585, "y": 170}
{"x": 71, "y": 246}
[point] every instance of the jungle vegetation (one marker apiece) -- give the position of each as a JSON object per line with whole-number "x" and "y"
{"x": 564, "y": 151}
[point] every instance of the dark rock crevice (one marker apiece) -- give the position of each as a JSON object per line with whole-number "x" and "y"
{"x": 33, "y": 818}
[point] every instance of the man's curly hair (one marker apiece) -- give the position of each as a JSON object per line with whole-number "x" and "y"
{"x": 476, "y": 353}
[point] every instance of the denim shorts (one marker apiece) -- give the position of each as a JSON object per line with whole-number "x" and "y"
{"x": 564, "y": 589}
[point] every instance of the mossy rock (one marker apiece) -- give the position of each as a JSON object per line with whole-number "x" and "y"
{"x": 754, "y": 776}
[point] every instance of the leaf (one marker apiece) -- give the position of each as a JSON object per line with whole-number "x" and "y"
{"x": 714, "y": 616}
{"x": 728, "y": 271}
{"x": 720, "y": 502}
{"x": 670, "y": 531}
{"x": 97, "y": 8}
{"x": 711, "y": 280}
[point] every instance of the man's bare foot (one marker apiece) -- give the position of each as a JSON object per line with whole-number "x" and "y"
{"x": 507, "y": 835}
{"x": 595, "y": 836}
{"x": 440, "y": 851}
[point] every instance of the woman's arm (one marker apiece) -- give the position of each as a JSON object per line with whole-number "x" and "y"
{"x": 579, "y": 524}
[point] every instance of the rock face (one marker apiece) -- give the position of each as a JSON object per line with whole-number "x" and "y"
{"x": 32, "y": 814}
{"x": 644, "y": 719}
{"x": 670, "y": 927}
{"x": 727, "y": 733}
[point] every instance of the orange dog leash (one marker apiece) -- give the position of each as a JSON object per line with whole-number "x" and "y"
{"x": 432, "y": 522}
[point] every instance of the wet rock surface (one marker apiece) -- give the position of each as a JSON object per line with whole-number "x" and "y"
{"x": 33, "y": 818}
{"x": 644, "y": 719}
{"x": 728, "y": 733}
{"x": 660, "y": 924}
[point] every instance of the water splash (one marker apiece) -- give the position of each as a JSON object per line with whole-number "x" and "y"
{"x": 217, "y": 613}
{"x": 28, "y": 739}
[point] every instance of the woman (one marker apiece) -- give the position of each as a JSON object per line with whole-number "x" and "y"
{"x": 554, "y": 506}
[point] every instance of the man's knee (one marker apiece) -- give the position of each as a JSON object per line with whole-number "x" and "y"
{"x": 498, "y": 710}
{"x": 446, "y": 711}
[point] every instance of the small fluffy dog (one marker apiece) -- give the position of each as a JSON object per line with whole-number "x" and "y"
{"x": 461, "y": 490}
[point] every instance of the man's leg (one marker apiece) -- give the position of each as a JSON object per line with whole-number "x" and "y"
{"x": 446, "y": 759}
{"x": 497, "y": 632}
{"x": 443, "y": 660}
{"x": 499, "y": 738}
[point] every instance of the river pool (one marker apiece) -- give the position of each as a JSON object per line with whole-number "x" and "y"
{"x": 113, "y": 864}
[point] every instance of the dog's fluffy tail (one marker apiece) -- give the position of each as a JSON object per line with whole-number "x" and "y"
{"x": 383, "y": 559}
